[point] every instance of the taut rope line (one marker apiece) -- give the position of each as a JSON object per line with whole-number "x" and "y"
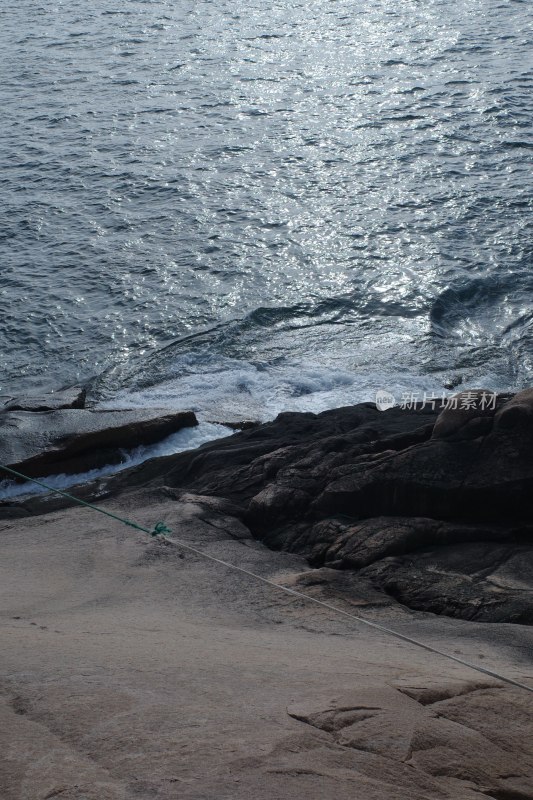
{"x": 160, "y": 529}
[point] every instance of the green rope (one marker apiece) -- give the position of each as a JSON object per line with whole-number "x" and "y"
{"x": 158, "y": 529}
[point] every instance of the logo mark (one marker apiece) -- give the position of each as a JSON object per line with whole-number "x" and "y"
{"x": 384, "y": 400}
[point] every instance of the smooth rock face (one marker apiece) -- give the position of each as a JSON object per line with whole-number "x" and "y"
{"x": 66, "y": 398}
{"x": 138, "y": 671}
{"x": 71, "y": 441}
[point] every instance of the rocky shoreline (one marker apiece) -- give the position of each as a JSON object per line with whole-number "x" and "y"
{"x": 430, "y": 509}
{"x": 134, "y": 668}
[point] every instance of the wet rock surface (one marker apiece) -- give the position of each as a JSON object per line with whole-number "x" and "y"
{"x": 73, "y": 397}
{"x": 77, "y": 440}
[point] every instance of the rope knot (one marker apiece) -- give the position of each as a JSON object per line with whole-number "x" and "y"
{"x": 160, "y": 528}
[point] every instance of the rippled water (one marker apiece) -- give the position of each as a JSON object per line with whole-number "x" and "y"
{"x": 256, "y": 206}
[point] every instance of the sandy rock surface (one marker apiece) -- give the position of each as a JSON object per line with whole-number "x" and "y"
{"x": 131, "y": 668}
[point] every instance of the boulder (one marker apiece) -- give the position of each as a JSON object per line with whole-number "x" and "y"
{"x": 515, "y": 417}
{"x": 467, "y": 415}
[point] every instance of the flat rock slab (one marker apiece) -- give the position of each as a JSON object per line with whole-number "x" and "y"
{"x": 136, "y": 670}
{"x": 73, "y": 397}
{"x": 72, "y": 440}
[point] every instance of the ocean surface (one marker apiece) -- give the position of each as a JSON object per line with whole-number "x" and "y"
{"x": 243, "y": 208}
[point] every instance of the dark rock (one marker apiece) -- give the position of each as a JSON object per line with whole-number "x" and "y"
{"x": 429, "y": 516}
{"x": 244, "y": 425}
{"x": 516, "y": 416}
{"x": 490, "y": 477}
{"x": 346, "y": 544}
{"x": 33, "y": 506}
{"x": 240, "y": 466}
{"x": 481, "y": 581}
{"x": 73, "y": 397}
{"x": 71, "y": 441}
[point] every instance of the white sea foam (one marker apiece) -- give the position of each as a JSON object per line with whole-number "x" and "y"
{"x": 228, "y": 390}
{"x": 220, "y": 389}
{"x": 186, "y": 439}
